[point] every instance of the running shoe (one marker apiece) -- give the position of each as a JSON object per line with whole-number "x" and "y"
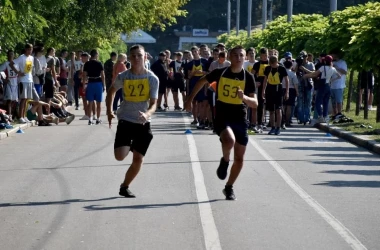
{"x": 194, "y": 123}
{"x": 177, "y": 108}
{"x": 69, "y": 119}
{"x": 22, "y": 120}
{"x": 201, "y": 125}
{"x": 98, "y": 122}
{"x": 89, "y": 122}
{"x": 277, "y": 131}
{"x": 26, "y": 119}
{"x": 272, "y": 131}
{"x": 43, "y": 123}
{"x": 166, "y": 106}
{"x": 228, "y": 191}
{"x": 76, "y": 108}
{"x": 124, "y": 191}
{"x": 221, "y": 172}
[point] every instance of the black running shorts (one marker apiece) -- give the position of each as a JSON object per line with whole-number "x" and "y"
{"x": 134, "y": 135}
{"x": 240, "y": 130}
{"x": 273, "y": 97}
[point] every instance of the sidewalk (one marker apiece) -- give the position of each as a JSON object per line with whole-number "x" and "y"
{"x": 8, "y": 132}
{"x": 364, "y": 141}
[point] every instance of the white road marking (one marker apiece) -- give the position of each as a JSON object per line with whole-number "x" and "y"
{"x": 269, "y": 140}
{"x": 329, "y": 218}
{"x": 322, "y": 141}
{"x": 210, "y": 232}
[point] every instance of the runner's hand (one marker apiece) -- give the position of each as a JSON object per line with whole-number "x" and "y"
{"x": 263, "y": 94}
{"x": 240, "y": 93}
{"x": 143, "y": 118}
{"x": 110, "y": 117}
{"x": 286, "y": 96}
{"x": 187, "y": 106}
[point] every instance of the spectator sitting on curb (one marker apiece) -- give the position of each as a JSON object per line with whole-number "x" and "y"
{"x": 35, "y": 113}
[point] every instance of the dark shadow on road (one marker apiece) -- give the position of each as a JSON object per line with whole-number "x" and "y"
{"x": 349, "y": 163}
{"x": 48, "y": 203}
{"x": 369, "y": 155}
{"x": 145, "y": 163}
{"x": 327, "y": 148}
{"x": 357, "y": 172}
{"x": 147, "y": 206}
{"x": 364, "y": 184}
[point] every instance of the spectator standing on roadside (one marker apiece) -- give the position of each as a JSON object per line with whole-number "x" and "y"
{"x": 109, "y": 69}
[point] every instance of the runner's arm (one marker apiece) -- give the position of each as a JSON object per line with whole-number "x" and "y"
{"x": 152, "y": 107}
{"x": 103, "y": 79}
{"x": 250, "y": 100}
{"x": 198, "y": 86}
{"x": 264, "y": 86}
{"x": 109, "y": 99}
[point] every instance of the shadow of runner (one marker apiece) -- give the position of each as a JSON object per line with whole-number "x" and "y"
{"x": 48, "y": 203}
{"x": 357, "y": 172}
{"x": 364, "y": 184}
{"x": 349, "y": 163}
{"x": 147, "y": 206}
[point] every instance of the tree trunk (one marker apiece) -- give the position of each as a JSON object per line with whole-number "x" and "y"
{"x": 377, "y": 77}
{"x": 366, "y": 100}
{"x": 350, "y": 89}
{"x": 357, "y": 111}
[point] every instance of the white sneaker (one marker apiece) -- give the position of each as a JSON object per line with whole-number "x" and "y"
{"x": 26, "y": 119}
{"x": 320, "y": 120}
{"x": 22, "y": 120}
{"x": 85, "y": 117}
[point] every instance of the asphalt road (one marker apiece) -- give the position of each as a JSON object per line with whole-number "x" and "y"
{"x": 300, "y": 190}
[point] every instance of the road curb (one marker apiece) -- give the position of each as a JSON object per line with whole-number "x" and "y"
{"x": 359, "y": 140}
{"x": 15, "y": 128}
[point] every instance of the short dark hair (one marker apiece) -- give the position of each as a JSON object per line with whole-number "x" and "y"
{"x": 238, "y": 47}
{"x": 288, "y": 64}
{"x": 113, "y": 54}
{"x": 273, "y": 59}
{"x": 194, "y": 48}
{"x": 251, "y": 49}
{"x": 222, "y": 54}
{"x": 263, "y": 51}
{"x": 49, "y": 50}
{"x": 186, "y": 52}
{"x": 93, "y": 53}
{"x": 203, "y": 46}
{"x": 28, "y": 46}
{"x": 215, "y": 50}
{"x": 64, "y": 51}
{"x": 9, "y": 51}
{"x": 137, "y": 46}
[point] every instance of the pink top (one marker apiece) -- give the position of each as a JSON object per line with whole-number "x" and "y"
{"x": 117, "y": 69}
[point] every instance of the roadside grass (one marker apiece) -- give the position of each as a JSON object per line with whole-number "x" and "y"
{"x": 373, "y": 132}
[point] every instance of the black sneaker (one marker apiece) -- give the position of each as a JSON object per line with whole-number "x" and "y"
{"x": 98, "y": 122}
{"x": 89, "y": 122}
{"x": 228, "y": 191}
{"x": 166, "y": 106}
{"x": 43, "y": 123}
{"x": 124, "y": 191}
{"x": 272, "y": 131}
{"x": 221, "y": 172}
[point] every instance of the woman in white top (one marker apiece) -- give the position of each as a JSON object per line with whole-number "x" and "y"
{"x": 328, "y": 74}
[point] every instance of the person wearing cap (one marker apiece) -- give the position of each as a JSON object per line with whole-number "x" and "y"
{"x": 302, "y": 67}
{"x": 235, "y": 89}
{"x": 287, "y": 57}
{"x": 93, "y": 73}
{"x": 327, "y": 74}
{"x": 133, "y": 134}
{"x": 160, "y": 69}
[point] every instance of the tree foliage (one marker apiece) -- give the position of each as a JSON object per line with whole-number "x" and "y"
{"x": 81, "y": 23}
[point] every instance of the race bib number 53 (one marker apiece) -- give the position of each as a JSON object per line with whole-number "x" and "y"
{"x": 136, "y": 90}
{"x": 228, "y": 90}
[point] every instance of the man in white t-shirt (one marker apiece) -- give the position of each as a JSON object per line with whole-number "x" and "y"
{"x": 338, "y": 85}
{"x": 24, "y": 69}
